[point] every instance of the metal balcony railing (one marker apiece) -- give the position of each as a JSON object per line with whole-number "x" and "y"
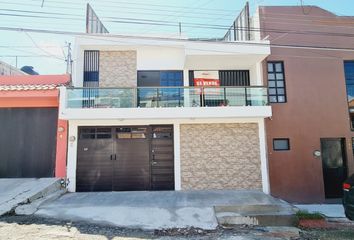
{"x": 152, "y": 97}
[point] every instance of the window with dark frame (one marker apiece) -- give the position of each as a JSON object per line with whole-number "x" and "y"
{"x": 281, "y": 144}
{"x": 276, "y": 82}
{"x": 349, "y": 82}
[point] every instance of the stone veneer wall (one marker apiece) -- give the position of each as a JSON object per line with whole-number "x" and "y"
{"x": 118, "y": 69}
{"x": 220, "y": 156}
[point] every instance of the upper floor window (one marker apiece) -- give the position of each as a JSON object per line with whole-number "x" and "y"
{"x": 276, "y": 82}
{"x": 349, "y": 81}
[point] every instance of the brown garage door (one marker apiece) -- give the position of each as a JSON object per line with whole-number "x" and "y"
{"x": 125, "y": 158}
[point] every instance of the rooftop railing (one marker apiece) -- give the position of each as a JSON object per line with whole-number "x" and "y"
{"x": 156, "y": 97}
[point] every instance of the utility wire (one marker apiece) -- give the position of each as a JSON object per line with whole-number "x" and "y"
{"x": 110, "y": 37}
{"x": 143, "y": 4}
{"x": 163, "y": 13}
{"x": 185, "y": 24}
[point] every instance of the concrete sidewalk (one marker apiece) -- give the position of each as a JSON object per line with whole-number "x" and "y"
{"x": 329, "y": 210}
{"x": 16, "y": 191}
{"x": 152, "y": 210}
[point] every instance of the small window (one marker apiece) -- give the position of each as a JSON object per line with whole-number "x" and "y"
{"x": 281, "y": 144}
{"x": 276, "y": 82}
{"x": 129, "y": 133}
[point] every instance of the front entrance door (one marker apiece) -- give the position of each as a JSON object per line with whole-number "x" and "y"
{"x": 334, "y": 166}
{"x": 131, "y": 158}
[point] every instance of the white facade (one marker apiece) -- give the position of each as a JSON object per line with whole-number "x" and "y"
{"x": 170, "y": 54}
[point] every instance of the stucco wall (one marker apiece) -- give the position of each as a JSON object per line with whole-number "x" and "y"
{"x": 220, "y": 156}
{"x": 118, "y": 69}
{"x": 316, "y": 104}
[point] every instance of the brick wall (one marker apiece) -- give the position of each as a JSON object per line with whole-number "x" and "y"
{"x": 118, "y": 69}
{"x": 220, "y": 156}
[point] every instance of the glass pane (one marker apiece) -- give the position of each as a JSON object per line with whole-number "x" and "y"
{"x": 271, "y": 76}
{"x": 280, "y": 76}
{"x": 278, "y": 67}
{"x": 257, "y": 96}
{"x": 103, "y": 135}
{"x": 281, "y": 98}
{"x": 270, "y": 67}
{"x": 280, "y": 83}
{"x": 147, "y": 97}
{"x": 139, "y": 132}
{"x": 332, "y": 155}
{"x": 281, "y": 144}
{"x": 280, "y": 91}
{"x": 170, "y": 97}
{"x": 273, "y": 99}
{"x": 271, "y": 83}
{"x": 235, "y": 97}
{"x": 272, "y": 91}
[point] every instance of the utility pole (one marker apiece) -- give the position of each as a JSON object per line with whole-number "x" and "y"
{"x": 180, "y": 28}
{"x": 69, "y": 60}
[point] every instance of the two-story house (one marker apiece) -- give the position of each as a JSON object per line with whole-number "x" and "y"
{"x": 310, "y": 76}
{"x": 158, "y": 113}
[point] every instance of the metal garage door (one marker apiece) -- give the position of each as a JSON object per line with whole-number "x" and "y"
{"x": 28, "y": 142}
{"x": 129, "y": 158}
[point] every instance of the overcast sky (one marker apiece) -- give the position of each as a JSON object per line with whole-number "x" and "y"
{"x": 46, "y": 51}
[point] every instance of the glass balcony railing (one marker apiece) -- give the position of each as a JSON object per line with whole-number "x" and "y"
{"x": 155, "y": 97}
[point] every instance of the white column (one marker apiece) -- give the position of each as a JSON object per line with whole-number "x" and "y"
{"x": 263, "y": 153}
{"x": 71, "y": 158}
{"x": 186, "y": 84}
{"x": 62, "y": 102}
{"x": 259, "y": 74}
{"x": 177, "y": 155}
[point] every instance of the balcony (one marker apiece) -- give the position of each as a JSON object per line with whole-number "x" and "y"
{"x": 181, "y": 102}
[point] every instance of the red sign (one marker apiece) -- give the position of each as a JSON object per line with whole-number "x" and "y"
{"x": 201, "y": 82}
{"x": 207, "y": 79}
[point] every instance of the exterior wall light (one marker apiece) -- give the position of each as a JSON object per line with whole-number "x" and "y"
{"x": 317, "y": 153}
{"x": 61, "y": 129}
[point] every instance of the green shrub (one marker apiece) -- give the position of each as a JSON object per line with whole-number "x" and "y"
{"x": 304, "y": 214}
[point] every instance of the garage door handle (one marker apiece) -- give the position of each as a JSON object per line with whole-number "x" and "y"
{"x": 154, "y": 163}
{"x": 115, "y": 156}
{"x": 111, "y": 157}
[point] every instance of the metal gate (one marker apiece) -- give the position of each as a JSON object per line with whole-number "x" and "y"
{"x": 127, "y": 158}
{"x": 28, "y": 142}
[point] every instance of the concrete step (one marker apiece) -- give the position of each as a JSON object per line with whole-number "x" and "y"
{"x": 262, "y": 215}
{"x": 24, "y": 191}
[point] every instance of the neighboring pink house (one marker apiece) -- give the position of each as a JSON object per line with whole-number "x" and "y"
{"x": 33, "y": 141}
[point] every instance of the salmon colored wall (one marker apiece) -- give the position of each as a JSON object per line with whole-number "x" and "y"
{"x": 46, "y": 98}
{"x": 62, "y": 139}
{"x": 316, "y": 104}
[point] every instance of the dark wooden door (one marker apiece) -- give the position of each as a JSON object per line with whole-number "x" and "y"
{"x": 132, "y": 158}
{"x": 131, "y": 165}
{"x": 28, "y": 142}
{"x": 334, "y": 166}
{"x": 95, "y": 160}
{"x": 162, "y": 158}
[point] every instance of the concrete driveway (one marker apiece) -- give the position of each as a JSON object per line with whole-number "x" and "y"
{"x": 15, "y": 191}
{"x": 151, "y": 210}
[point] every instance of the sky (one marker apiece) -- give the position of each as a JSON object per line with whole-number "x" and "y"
{"x": 46, "y": 52}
